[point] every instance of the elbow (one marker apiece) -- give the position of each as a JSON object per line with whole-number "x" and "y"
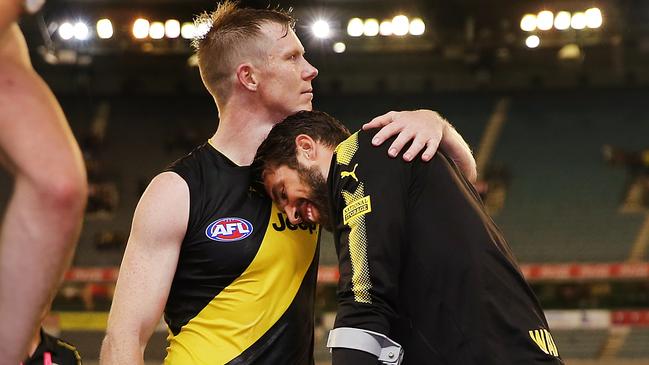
{"x": 67, "y": 193}
{"x": 121, "y": 345}
{"x": 108, "y": 350}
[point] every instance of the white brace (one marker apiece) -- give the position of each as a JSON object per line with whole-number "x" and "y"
{"x": 379, "y": 345}
{"x": 32, "y": 6}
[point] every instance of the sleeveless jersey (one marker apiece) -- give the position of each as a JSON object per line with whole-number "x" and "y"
{"x": 244, "y": 287}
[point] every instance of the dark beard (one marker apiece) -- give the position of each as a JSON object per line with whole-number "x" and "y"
{"x": 319, "y": 196}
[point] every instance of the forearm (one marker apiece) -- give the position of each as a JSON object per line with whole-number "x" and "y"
{"x": 133, "y": 317}
{"x": 458, "y": 150}
{"x": 131, "y": 321}
{"x": 36, "y": 244}
{"x": 343, "y": 356}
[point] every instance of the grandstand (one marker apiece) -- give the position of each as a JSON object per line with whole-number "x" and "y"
{"x": 564, "y": 201}
{"x": 537, "y": 124}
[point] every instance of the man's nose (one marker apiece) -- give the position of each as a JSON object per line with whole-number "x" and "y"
{"x": 311, "y": 72}
{"x": 291, "y": 213}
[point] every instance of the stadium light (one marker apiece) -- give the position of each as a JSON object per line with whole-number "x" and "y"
{"x": 532, "y": 41}
{"x": 385, "y": 28}
{"x": 578, "y": 21}
{"x": 81, "y": 31}
{"x": 562, "y": 20}
{"x": 339, "y": 47}
{"x": 528, "y": 23}
{"x": 66, "y": 31}
{"x": 355, "y": 27}
{"x": 104, "y": 28}
{"x": 545, "y": 20}
{"x": 371, "y": 27}
{"x": 157, "y": 30}
{"x": 188, "y": 30}
{"x": 417, "y": 26}
{"x": 141, "y": 28}
{"x": 401, "y": 25}
{"x": 321, "y": 29}
{"x": 593, "y": 18}
{"x": 172, "y": 28}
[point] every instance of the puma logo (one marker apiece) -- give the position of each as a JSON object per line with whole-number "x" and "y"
{"x": 350, "y": 173}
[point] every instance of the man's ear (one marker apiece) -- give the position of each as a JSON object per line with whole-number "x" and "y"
{"x": 247, "y": 76}
{"x": 306, "y": 147}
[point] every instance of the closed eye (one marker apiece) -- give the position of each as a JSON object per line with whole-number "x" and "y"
{"x": 279, "y": 195}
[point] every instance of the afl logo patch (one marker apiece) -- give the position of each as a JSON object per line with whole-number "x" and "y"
{"x": 229, "y": 229}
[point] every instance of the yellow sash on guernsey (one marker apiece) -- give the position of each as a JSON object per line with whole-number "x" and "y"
{"x": 244, "y": 311}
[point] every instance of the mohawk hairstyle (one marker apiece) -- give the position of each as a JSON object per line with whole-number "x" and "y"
{"x": 234, "y": 34}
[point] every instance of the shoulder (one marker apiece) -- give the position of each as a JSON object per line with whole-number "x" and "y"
{"x": 371, "y": 160}
{"x": 346, "y": 150}
{"x": 163, "y": 206}
{"x": 167, "y": 182}
{"x": 360, "y": 144}
{"x": 190, "y": 161}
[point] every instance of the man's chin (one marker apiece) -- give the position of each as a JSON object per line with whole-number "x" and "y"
{"x": 320, "y": 219}
{"x": 311, "y": 214}
{"x": 314, "y": 217}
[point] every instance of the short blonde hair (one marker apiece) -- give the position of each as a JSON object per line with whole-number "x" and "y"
{"x": 233, "y": 34}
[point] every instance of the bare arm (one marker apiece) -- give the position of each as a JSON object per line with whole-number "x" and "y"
{"x": 427, "y": 130}
{"x": 458, "y": 150}
{"x": 147, "y": 270}
{"x": 43, "y": 218}
{"x": 13, "y": 48}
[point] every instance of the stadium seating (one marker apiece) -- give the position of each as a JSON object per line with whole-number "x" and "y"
{"x": 579, "y": 343}
{"x": 563, "y": 201}
{"x": 636, "y": 345}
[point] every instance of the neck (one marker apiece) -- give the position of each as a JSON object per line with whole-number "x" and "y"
{"x": 325, "y": 162}
{"x": 242, "y": 128}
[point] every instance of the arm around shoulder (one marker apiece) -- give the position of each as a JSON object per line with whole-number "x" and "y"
{"x": 458, "y": 150}
{"x": 147, "y": 269}
{"x": 426, "y": 130}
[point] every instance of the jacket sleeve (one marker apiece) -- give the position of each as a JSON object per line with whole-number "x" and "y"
{"x": 369, "y": 200}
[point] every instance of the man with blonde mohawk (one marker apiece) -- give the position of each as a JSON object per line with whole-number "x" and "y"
{"x": 235, "y": 280}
